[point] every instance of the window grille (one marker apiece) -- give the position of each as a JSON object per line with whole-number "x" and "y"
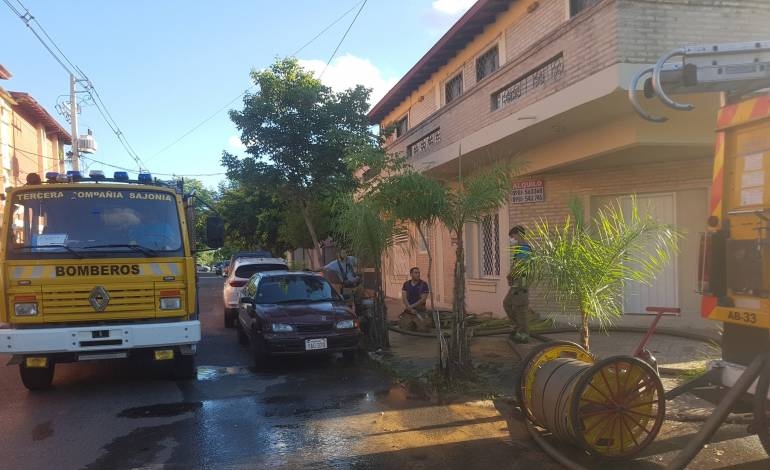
{"x": 453, "y": 88}
{"x": 490, "y": 245}
{"x": 401, "y": 126}
{"x": 576, "y": 6}
{"x": 487, "y": 63}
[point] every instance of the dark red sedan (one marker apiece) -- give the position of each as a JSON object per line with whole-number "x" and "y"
{"x": 290, "y": 313}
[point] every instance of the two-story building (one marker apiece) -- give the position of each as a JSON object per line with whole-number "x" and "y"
{"x": 545, "y": 82}
{"x": 31, "y": 140}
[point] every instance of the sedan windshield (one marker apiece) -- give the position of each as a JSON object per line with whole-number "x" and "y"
{"x": 294, "y": 288}
{"x": 49, "y": 222}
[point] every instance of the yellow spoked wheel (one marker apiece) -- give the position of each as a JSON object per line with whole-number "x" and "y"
{"x": 539, "y": 355}
{"x": 618, "y": 407}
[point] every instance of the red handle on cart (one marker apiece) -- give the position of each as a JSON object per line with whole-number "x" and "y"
{"x": 659, "y": 311}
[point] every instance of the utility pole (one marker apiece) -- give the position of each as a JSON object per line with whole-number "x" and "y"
{"x": 74, "y": 122}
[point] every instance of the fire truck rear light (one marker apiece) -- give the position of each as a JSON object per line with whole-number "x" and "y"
{"x": 120, "y": 176}
{"x": 36, "y": 362}
{"x": 51, "y": 176}
{"x": 74, "y": 175}
{"x": 713, "y": 221}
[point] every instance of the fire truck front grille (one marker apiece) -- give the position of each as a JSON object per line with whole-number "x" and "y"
{"x": 136, "y": 299}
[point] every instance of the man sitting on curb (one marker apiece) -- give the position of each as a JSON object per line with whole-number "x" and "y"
{"x": 415, "y": 294}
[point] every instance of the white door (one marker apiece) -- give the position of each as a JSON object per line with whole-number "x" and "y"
{"x": 661, "y": 291}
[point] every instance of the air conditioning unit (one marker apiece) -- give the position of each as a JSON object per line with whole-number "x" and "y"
{"x": 87, "y": 143}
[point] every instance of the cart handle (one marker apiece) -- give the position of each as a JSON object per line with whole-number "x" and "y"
{"x": 659, "y": 311}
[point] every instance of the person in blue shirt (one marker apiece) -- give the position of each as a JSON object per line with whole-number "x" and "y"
{"x": 516, "y": 302}
{"x": 414, "y": 293}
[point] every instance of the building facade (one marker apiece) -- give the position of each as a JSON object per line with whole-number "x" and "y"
{"x": 31, "y": 140}
{"x": 544, "y": 83}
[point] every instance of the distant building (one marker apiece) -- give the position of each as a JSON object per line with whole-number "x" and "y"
{"x": 31, "y": 140}
{"x": 546, "y": 82}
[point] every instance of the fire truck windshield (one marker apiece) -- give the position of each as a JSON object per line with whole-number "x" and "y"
{"x": 60, "y": 223}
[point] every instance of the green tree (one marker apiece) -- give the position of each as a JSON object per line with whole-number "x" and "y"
{"x": 366, "y": 231}
{"x": 417, "y": 197}
{"x": 297, "y": 133}
{"x": 586, "y": 265}
{"x": 252, "y": 218}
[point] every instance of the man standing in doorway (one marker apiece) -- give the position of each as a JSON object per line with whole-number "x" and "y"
{"x": 516, "y": 302}
{"x": 414, "y": 293}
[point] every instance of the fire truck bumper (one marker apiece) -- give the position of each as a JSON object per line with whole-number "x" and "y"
{"x": 98, "y": 338}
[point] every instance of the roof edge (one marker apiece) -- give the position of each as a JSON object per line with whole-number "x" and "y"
{"x": 379, "y": 110}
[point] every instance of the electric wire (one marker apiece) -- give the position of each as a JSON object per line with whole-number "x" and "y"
{"x": 342, "y": 40}
{"x": 75, "y": 71}
{"x": 327, "y": 28}
{"x": 215, "y": 113}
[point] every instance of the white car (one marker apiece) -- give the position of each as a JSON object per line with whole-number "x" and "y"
{"x": 237, "y": 277}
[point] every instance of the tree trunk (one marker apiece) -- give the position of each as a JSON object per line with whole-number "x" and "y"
{"x": 584, "y": 330}
{"x": 442, "y": 346}
{"x": 378, "y": 329}
{"x": 315, "y": 257}
{"x": 459, "y": 346}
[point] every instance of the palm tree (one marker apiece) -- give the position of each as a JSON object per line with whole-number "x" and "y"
{"x": 363, "y": 229}
{"x": 586, "y": 266}
{"x": 420, "y": 199}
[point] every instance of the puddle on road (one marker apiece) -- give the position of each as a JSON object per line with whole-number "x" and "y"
{"x": 206, "y": 373}
{"x": 161, "y": 410}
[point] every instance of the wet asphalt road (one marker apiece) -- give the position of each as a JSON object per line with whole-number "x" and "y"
{"x": 318, "y": 413}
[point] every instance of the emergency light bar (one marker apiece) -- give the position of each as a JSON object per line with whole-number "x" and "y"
{"x": 98, "y": 176}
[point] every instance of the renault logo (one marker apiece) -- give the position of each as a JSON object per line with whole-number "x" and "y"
{"x": 99, "y": 298}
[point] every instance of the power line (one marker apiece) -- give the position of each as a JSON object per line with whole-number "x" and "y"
{"x": 75, "y": 71}
{"x": 197, "y": 126}
{"x": 341, "y": 40}
{"x": 213, "y": 115}
{"x": 327, "y": 28}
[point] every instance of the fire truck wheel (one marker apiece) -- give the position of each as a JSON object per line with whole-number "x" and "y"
{"x": 184, "y": 367}
{"x": 35, "y": 378}
{"x": 762, "y": 408}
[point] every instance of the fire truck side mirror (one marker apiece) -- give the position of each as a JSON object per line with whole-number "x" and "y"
{"x": 215, "y": 232}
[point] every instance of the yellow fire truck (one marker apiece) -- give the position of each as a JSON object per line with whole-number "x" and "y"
{"x": 98, "y": 268}
{"x": 734, "y": 263}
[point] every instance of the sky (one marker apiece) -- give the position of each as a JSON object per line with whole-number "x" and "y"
{"x": 164, "y": 67}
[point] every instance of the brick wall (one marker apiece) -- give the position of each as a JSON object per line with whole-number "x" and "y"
{"x": 560, "y": 188}
{"x": 648, "y": 28}
{"x": 614, "y": 31}
{"x": 533, "y": 27}
{"x": 422, "y": 109}
{"x": 587, "y": 43}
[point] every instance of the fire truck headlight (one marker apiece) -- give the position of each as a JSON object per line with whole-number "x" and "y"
{"x": 170, "y": 303}
{"x": 26, "y": 309}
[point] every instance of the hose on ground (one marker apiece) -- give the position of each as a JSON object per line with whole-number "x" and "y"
{"x": 541, "y": 334}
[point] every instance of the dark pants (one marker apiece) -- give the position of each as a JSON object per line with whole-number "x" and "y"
{"x": 516, "y": 306}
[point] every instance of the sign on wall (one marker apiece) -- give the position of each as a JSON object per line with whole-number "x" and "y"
{"x": 523, "y": 192}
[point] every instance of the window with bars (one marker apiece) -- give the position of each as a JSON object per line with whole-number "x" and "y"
{"x": 453, "y": 88}
{"x": 489, "y": 246}
{"x": 486, "y": 64}
{"x": 576, "y": 6}
{"x": 402, "y": 126}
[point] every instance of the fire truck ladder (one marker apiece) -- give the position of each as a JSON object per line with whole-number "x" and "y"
{"x": 732, "y": 68}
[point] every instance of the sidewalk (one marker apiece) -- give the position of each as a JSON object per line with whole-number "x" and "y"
{"x": 495, "y": 356}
